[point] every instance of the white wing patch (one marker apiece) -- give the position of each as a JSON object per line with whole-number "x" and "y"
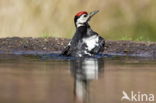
{"x": 91, "y": 42}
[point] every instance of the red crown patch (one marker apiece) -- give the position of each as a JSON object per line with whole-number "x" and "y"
{"x": 81, "y": 13}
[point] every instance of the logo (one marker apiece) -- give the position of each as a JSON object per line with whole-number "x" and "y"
{"x": 137, "y": 97}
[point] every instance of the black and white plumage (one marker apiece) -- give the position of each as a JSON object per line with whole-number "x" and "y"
{"x": 85, "y": 41}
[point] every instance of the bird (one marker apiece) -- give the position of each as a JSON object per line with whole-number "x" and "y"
{"x": 85, "y": 42}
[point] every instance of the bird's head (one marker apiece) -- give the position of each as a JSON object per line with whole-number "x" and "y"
{"x": 82, "y": 17}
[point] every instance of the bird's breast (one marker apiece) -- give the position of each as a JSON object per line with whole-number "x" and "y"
{"x": 91, "y": 42}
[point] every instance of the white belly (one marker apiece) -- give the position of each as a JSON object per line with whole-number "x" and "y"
{"x": 91, "y": 42}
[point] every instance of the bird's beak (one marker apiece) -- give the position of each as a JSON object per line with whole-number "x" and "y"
{"x": 91, "y": 14}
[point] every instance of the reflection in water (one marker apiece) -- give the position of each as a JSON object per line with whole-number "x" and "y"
{"x": 84, "y": 70}
{"x": 31, "y": 80}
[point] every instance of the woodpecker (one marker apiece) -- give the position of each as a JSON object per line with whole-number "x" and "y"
{"x": 85, "y": 41}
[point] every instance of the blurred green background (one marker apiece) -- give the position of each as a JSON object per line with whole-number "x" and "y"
{"x": 117, "y": 19}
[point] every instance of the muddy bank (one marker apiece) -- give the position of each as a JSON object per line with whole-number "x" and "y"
{"x": 17, "y": 45}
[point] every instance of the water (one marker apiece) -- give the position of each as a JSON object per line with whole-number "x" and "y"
{"x": 33, "y": 79}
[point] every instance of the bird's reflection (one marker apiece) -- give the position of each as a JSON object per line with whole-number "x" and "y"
{"x": 84, "y": 70}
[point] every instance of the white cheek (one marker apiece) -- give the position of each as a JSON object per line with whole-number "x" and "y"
{"x": 81, "y": 20}
{"x": 79, "y": 24}
{"x": 91, "y": 42}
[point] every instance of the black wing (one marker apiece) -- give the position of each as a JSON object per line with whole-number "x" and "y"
{"x": 72, "y": 46}
{"x": 66, "y": 50}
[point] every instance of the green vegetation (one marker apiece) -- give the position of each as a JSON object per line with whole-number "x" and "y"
{"x": 45, "y": 35}
{"x": 139, "y": 38}
{"x": 117, "y": 19}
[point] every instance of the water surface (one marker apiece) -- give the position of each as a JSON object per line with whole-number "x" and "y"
{"x": 32, "y": 79}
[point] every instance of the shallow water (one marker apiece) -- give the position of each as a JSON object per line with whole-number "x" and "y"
{"x": 33, "y": 79}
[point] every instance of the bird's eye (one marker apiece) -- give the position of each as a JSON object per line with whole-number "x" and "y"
{"x": 85, "y": 15}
